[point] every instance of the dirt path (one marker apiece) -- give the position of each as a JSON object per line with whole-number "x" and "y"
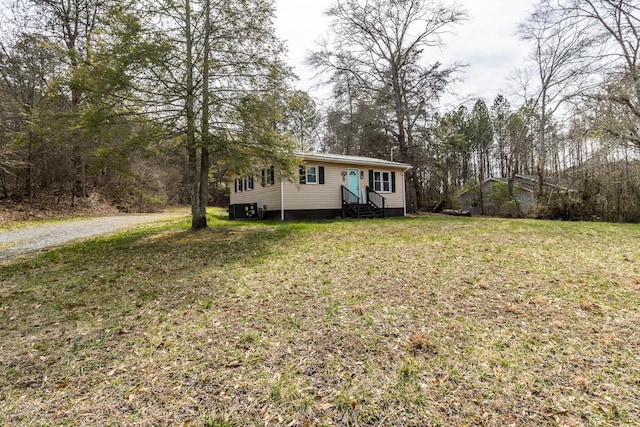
{"x": 24, "y": 240}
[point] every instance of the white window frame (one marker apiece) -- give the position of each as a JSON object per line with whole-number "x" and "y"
{"x": 249, "y": 183}
{"x": 386, "y": 183}
{"x": 266, "y": 177}
{"x": 380, "y": 183}
{"x": 309, "y": 175}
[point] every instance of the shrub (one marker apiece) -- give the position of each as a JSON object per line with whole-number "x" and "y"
{"x": 562, "y": 206}
{"x": 511, "y": 209}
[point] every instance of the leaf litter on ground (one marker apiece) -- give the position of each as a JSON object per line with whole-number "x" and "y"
{"x": 416, "y": 321}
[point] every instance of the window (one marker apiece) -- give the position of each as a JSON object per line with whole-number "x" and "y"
{"x": 268, "y": 176}
{"x": 377, "y": 181}
{"x": 382, "y": 182}
{"x": 244, "y": 184}
{"x": 311, "y": 174}
{"x": 248, "y": 183}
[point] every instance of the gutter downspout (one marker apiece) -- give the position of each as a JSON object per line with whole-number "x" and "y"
{"x": 404, "y": 194}
{"x": 281, "y": 199}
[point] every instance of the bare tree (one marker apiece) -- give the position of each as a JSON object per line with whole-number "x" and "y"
{"x": 616, "y": 23}
{"x": 380, "y": 46}
{"x": 561, "y": 54}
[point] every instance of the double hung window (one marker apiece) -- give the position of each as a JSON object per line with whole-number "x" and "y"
{"x": 382, "y": 182}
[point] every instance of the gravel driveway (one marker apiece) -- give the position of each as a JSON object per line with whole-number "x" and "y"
{"x": 24, "y": 240}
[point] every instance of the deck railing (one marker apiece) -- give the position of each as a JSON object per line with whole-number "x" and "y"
{"x": 376, "y": 200}
{"x": 350, "y": 203}
{"x": 349, "y": 197}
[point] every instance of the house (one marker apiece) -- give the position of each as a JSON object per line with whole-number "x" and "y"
{"x": 495, "y": 197}
{"x": 327, "y": 186}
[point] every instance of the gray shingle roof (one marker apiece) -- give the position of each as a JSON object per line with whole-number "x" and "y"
{"x": 339, "y": 158}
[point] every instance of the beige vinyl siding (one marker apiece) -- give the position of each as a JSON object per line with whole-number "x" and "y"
{"x": 315, "y": 196}
{"x": 329, "y": 195}
{"x": 393, "y": 200}
{"x": 268, "y": 195}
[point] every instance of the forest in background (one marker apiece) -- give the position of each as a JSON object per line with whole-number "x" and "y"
{"x": 150, "y": 103}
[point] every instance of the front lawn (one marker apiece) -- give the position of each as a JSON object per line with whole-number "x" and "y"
{"x": 397, "y": 322}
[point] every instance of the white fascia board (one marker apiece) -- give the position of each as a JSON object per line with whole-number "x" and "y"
{"x": 355, "y": 160}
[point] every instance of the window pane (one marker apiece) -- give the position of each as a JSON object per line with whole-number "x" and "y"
{"x": 312, "y": 175}
{"x": 377, "y": 181}
{"x": 386, "y": 183}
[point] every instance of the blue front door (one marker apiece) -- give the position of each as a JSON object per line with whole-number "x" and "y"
{"x": 354, "y": 183}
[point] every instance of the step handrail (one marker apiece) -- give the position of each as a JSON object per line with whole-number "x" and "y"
{"x": 350, "y": 201}
{"x": 376, "y": 200}
{"x": 349, "y": 197}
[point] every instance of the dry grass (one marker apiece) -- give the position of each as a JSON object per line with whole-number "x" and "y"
{"x": 429, "y": 321}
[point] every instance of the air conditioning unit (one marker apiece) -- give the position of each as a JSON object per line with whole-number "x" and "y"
{"x": 243, "y": 211}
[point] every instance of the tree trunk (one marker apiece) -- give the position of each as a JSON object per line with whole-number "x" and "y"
{"x": 481, "y": 181}
{"x": 198, "y": 215}
{"x": 3, "y": 184}
{"x": 200, "y": 218}
{"x": 456, "y": 212}
{"x": 200, "y": 212}
{"x": 28, "y": 188}
{"x": 543, "y": 150}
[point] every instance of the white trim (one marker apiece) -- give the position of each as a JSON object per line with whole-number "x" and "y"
{"x": 354, "y": 160}
{"x": 404, "y": 196}
{"x": 389, "y": 181}
{"x": 249, "y": 183}
{"x": 281, "y": 199}
{"x": 316, "y": 175}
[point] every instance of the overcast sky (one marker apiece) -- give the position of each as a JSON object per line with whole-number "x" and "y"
{"x": 486, "y": 42}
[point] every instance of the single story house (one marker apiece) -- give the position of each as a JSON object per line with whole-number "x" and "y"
{"x": 495, "y": 196}
{"x": 327, "y": 186}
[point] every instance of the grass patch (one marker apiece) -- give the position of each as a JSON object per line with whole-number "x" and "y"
{"x": 416, "y": 321}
